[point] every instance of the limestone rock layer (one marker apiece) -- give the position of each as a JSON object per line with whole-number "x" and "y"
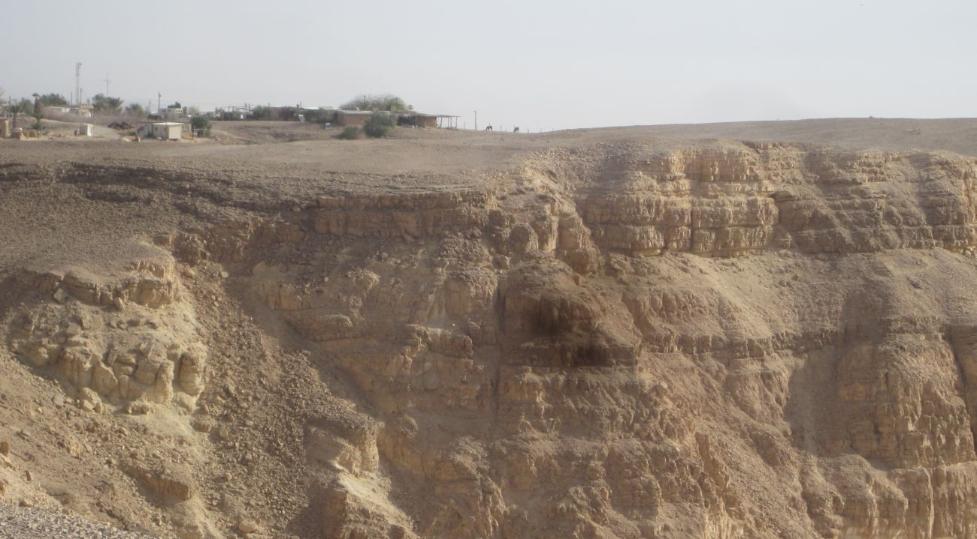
{"x": 619, "y": 340}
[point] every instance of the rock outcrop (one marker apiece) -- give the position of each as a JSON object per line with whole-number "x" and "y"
{"x": 640, "y": 344}
{"x": 127, "y": 337}
{"x": 621, "y": 340}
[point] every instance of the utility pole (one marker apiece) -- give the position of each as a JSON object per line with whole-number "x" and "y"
{"x": 476, "y": 120}
{"x": 78, "y": 83}
{"x": 107, "y": 81}
{"x": 159, "y": 102}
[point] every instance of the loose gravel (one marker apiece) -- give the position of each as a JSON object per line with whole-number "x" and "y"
{"x": 32, "y": 523}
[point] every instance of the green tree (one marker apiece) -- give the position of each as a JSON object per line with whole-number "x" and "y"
{"x": 200, "y": 123}
{"x": 37, "y": 113}
{"x": 385, "y": 102}
{"x": 104, "y": 103}
{"x": 52, "y": 100}
{"x": 135, "y": 109}
{"x": 16, "y": 108}
{"x": 379, "y": 124}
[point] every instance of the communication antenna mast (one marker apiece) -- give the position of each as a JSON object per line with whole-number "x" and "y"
{"x": 78, "y": 83}
{"x": 107, "y": 81}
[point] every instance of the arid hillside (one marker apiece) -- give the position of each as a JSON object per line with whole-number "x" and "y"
{"x": 717, "y": 331}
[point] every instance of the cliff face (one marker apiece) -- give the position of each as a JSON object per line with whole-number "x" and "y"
{"x": 722, "y": 340}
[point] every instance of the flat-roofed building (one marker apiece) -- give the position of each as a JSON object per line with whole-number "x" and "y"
{"x": 356, "y": 118}
{"x": 162, "y": 130}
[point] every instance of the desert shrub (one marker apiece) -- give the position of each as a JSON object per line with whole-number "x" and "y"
{"x": 351, "y": 132}
{"x": 319, "y": 116}
{"x": 379, "y": 124}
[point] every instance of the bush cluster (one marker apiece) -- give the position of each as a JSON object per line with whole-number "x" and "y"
{"x": 201, "y": 124}
{"x": 379, "y": 124}
{"x": 386, "y": 102}
{"x": 350, "y": 133}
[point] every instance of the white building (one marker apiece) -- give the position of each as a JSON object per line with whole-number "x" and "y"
{"x": 82, "y": 111}
{"x": 162, "y": 130}
{"x": 171, "y": 114}
{"x": 55, "y": 110}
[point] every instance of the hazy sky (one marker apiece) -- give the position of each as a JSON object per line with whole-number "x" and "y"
{"x": 539, "y": 64}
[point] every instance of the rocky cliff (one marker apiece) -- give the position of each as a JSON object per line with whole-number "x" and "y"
{"x": 603, "y": 340}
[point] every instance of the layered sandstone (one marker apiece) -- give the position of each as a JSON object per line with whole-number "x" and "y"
{"x": 613, "y": 340}
{"x": 127, "y": 337}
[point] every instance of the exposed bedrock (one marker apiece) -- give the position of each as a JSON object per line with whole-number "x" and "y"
{"x": 119, "y": 334}
{"x": 726, "y": 340}
{"x": 736, "y": 200}
{"x": 532, "y": 369}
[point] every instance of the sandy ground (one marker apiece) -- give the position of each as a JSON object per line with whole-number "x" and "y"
{"x": 951, "y": 134}
{"x": 312, "y": 150}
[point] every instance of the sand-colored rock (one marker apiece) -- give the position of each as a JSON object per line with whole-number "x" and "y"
{"x": 147, "y": 349}
{"x": 599, "y": 334}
